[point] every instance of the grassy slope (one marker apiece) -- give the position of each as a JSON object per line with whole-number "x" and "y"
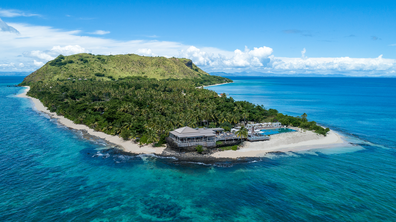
{"x": 115, "y": 67}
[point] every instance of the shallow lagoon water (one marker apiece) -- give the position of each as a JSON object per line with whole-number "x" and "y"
{"x": 49, "y": 172}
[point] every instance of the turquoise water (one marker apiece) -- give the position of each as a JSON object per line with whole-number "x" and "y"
{"x": 364, "y": 107}
{"x": 276, "y": 131}
{"x": 50, "y": 173}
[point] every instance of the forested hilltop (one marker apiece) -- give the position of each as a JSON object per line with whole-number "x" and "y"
{"x": 114, "y": 67}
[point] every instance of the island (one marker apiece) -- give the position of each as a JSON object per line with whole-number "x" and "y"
{"x": 158, "y": 105}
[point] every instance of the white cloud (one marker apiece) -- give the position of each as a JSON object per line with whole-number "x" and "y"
{"x": 303, "y": 53}
{"x": 39, "y": 44}
{"x": 6, "y": 28}
{"x": 68, "y": 50}
{"x": 15, "y": 13}
{"x": 38, "y": 63}
{"x": 199, "y": 57}
{"x": 333, "y": 64}
{"x": 7, "y": 65}
{"x": 39, "y": 55}
{"x": 53, "y": 53}
{"x": 249, "y": 58}
{"x": 246, "y": 58}
{"x": 145, "y": 52}
{"x": 99, "y": 32}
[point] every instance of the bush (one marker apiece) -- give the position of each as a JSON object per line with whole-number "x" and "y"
{"x": 235, "y": 147}
{"x": 212, "y": 125}
{"x": 99, "y": 74}
{"x": 199, "y": 149}
{"x": 58, "y": 61}
{"x": 125, "y": 134}
{"x": 162, "y": 139}
{"x": 143, "y": 140}
{"x": 226, "y": 126}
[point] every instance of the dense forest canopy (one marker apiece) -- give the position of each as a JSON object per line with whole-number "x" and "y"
{"x": 146, "y": 97}
{"x": 150, "y": 108}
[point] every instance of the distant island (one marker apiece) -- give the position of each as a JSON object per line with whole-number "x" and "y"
{"x": 138, "y": 100}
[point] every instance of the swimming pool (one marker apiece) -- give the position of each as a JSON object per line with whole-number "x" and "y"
{"x": 275, "y": 131}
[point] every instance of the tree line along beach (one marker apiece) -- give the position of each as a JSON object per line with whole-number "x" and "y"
{"x": 137, "y": 113}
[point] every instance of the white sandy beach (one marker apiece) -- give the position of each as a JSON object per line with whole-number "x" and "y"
{"x": 128, "y": 145}
{"x": 198, "y": 87}
{"x": 285, "y": 142}
{"x": 218, "y": 84}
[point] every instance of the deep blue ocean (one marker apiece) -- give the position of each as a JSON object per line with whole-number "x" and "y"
{"x": 51, "y": 173}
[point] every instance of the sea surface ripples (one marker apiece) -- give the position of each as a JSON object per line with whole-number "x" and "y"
{"x": 51, "y": 173}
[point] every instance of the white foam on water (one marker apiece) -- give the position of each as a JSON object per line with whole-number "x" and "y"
{"x": 103, "y": 155}
{"x": 200, "y": 163}
{"x": 277, "y": 156}
{"x": 145, "y": 156}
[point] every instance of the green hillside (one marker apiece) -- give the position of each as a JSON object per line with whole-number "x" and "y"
{"x": 113, "y": 67}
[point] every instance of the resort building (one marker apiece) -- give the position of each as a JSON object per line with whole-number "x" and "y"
{"x": 187, "y": 136}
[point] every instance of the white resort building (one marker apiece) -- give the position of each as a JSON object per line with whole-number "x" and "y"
{"x": 187, "y": 136}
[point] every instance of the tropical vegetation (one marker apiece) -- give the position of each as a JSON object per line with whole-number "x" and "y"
{"x": 148, "y": 108}
{"x": 114, "y": 67}
{"x": 242, "y": 132}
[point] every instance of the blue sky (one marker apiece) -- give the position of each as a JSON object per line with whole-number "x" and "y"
{"x": 355, "y": 37}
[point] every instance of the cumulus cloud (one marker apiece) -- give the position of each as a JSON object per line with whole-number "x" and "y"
{"x": 54, "y": 52}
{"x": 247, "y": 58}
{"x": 145, "y": 52}
{"x": 38, "y": 44}
{"x": 332, "y": 65}
{"x": 199, "y": 57}
{"x": 39, "y": 55}
{"x": 15, "y": 13}
{"x": 99, "y": 32}
{"x": 43, "y": 43}
{"x": 39, "y": 64}
{"x": 68, "y": 50}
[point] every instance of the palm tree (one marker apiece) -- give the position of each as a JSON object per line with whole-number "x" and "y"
{"x": 152, "y": 136}
{"x": 304, "y": 117}
{"x": 245, "y": 115}
{"x": 242, "y": 133}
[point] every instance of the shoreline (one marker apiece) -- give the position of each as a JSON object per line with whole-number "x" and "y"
{"x": 285, "y": 142}
{"x": 125, "y": 145}
{"x": 301, "y": 140}
{"x": 216, "y": 84}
